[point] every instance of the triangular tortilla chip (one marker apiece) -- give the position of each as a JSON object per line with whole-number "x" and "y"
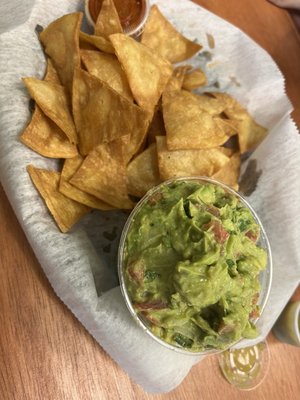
{"x": 180, "y": 163}
{"x": 69, "y": 169}
{"x": 194, "y": 79}
{"x": 53, "y": 101}
{"x": 46, "y": 138}
{"x": 188, "y": 126}
{"x": 176, "y": 80}
{"x": 42, "y": 134}
{"x": 207, "y": 103}
{"x": 229, "y": 127}
{"x": 142, "y": 172}
{"x": 102, "y": 115}
{"x": 227, "y": 151}
{"x": 65, "y": 211}
{"x": 250, "y": 133}
{"x": 157, "y": 127}
{"x": 103, "y": 174}
{"x": 147, "y": 73}
{"x": 61, "y": 42}
{"x": 228, "y": 101}
{"x": 107, "y": 68}
{"x": 230, "y": 172}
{"x": 92, "y": 42}
{"x": 51, "y": 73}
{"x": 162, "y": 37}
{"x": 108, "y": 21}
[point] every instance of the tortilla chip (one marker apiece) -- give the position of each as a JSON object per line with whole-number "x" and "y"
{"x": 250, "y": 133}
{"x": 102, "y": 115}
{"x": 107, "y": 68}
{"x": 103, "y": 174}
{"x": 164, "y": 39}
{"x": 157, "y": 127}
{"x": 69, "y": 169}
{"x": 177, "y": 78}
{"x": 229, "y": 127}
{"x": 51, "y": 73}
{"x": 230, "y": 172}
{"x": 147, "y": 73}
{"x": 108, "y": 21}
{"x": 208, "y": 103}
{"x": 226, "y": 150}
{"x": 93, "y": 42}
{"x": 61, "y": 42}
{"x": 188, "y": 126}
{"x": 53, "y": 101}
{"x": 227, "y": 100}
{"x": 42, "y": 134}
{"x": 181, "y": 163}
{"x": 194, "y": 79}
{"x": 142, "y": 172}
{"x": 65, "y": 211}
{"x": 46, "y": 138}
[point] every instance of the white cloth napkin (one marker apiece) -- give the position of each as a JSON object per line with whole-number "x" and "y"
{"x": 81, "y": 265}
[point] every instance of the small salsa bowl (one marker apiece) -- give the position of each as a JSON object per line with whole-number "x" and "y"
{"x": 133, "y": 14}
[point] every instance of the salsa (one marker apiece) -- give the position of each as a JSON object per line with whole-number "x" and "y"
{"x": 130, "y": 12}
{"x": 192, "y": 264}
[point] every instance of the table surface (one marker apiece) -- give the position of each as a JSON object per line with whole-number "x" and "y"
{"x": 45, "y": 353}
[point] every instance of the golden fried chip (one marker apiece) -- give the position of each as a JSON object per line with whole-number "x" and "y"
{"x": 227, "y": 151}
{"x": 142, "y": 172}
{"x": 65, "y": 211}
{"x": 250, "y": 133}
{"x": 180, "y": 163}
{"x": 51, "y": 73}
{"x": 42, "y": 134}
{"x": 107, "y": 68}
{"x": 53, "y": 101}
{"x": 228, "y": 126}
{"x": 103, "y": 174}
{"x": 230, "y": 172}
{"x": 46, "y": 138}
{"x": 157, "y": 127}
{"x": 188, "y": 126}
{"x": 102, "y": 115}
{"x": 194, "y": 79}
{"x": 176, "y": 80}
{"x": 61, "y": 42}
{"x": 93, "y": 42}
{"x": 227, "y": 100}
{"x": 108, "y": 21}
{"x": 162, "y": 37}
{"x": 208, "y": 103}
{"x": 69, "y": 169}
{"x": 147, "y": 73}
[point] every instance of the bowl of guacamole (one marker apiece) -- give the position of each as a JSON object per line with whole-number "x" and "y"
{"x": 195, "y": 265}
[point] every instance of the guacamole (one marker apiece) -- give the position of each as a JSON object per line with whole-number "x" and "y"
{"x": 192, "y": 264}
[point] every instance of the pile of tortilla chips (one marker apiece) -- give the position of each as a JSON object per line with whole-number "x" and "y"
{"x": 124, "y": 117}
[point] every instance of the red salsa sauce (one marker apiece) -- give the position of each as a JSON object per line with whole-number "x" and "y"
{"x": 130, "y": 11}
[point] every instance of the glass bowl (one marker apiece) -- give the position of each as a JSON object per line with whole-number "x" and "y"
{"x": 265, "y": 276}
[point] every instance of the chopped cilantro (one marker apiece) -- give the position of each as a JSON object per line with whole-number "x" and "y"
{"x": 243, "y": 224}
{"x": 230, "y": 263}
{"x": 150, "y": 275}
{"x": 183, "y": 341}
